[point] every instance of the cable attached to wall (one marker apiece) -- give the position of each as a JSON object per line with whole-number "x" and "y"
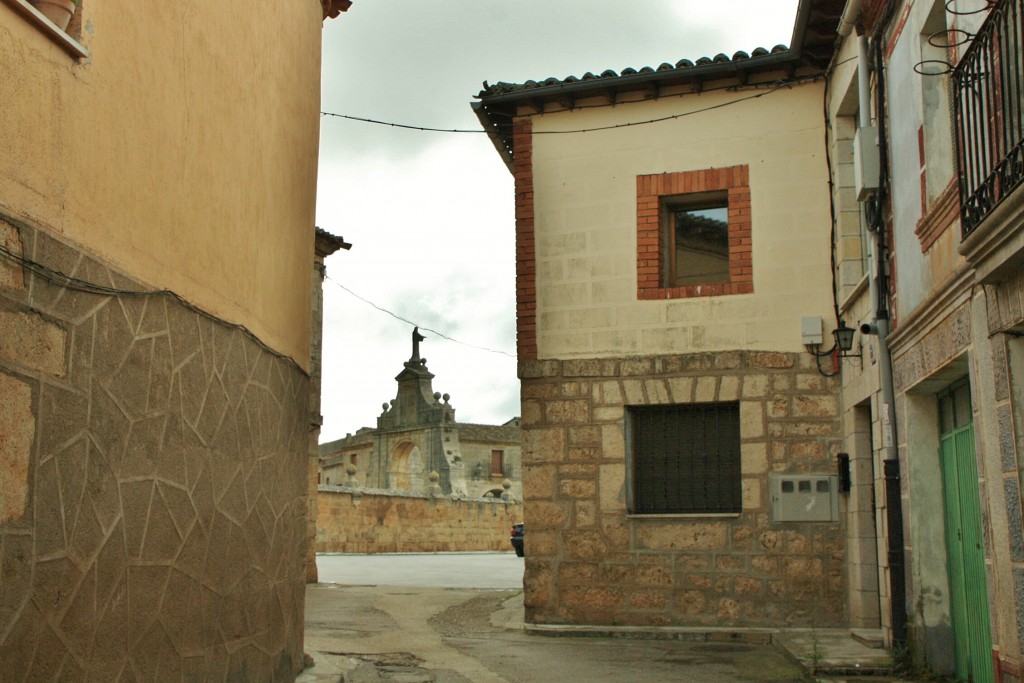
{"x": 774, "y": 86}
{"x": 61, "y": 279}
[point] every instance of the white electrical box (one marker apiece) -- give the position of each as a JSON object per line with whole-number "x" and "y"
{"x": 804, "y": 497}
{"x": 810, "y": 329}
{"x": 866, "y": 165}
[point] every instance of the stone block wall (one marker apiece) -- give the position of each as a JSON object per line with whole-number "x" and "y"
{"x": 353, "y": 520}
{"x": 590, "y": 562}
{"x": 153, "y": 469}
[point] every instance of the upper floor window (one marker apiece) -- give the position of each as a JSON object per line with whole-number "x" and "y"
{"x": 697, "y": 239}
{"x": 58, "y": 20}
{"x": 694, "y": 234}
{"x": 988, "y": 88}
{"x": 497, "y": 463}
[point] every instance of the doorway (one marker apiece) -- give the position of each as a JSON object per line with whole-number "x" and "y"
{"x": 965, "y": 543}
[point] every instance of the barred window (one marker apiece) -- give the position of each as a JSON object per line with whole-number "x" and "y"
{"x": 685, "y": 459}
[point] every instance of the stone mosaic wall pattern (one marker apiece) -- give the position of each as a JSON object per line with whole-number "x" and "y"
{"x": 162, "y": 534}
{"x": 588, "y": 562}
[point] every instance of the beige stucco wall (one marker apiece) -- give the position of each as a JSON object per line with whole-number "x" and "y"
{"x": 585, "y": 212}
{"x": 116, "y": 153}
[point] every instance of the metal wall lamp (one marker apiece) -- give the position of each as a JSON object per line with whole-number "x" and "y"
{"x": 843, "y": 336}
{"x": 842, "y": 347}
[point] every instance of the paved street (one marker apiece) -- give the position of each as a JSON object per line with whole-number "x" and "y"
{"x": 372, "y": 634}
{"x": 440, "y": 570}
{"x": 463, "y": 623}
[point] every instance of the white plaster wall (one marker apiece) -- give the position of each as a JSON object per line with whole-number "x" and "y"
{"x": 904, "y": 97}
{"x": 585, "y": 218}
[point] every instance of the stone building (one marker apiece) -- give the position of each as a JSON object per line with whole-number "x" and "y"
{"x": 324, "y": 245}
{"x": 155, "y": 338}
{"x": 417, "y": 435}
{"x": 679, "y": 440}
{"x": 926, "y": 140}
{"x": 896, "y": 217}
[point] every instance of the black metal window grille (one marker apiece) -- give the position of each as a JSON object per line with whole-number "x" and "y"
{"x": 686, "y": 459}
{"x": 988, "y": 100}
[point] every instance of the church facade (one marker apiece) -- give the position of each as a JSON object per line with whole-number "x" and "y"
{"x": 418, "y": 447}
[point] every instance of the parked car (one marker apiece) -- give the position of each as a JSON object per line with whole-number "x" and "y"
{"x": 517, "y": 538}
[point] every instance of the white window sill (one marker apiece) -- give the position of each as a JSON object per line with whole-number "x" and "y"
{"x": 48, "y": 28}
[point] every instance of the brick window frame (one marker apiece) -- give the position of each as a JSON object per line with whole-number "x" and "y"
{"x": 651, "y": 190}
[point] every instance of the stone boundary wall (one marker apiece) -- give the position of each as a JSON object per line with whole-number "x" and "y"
{"x": 153, "y": 492}
{"x": 360, "y": 520}
{"x": 590, "y": 562}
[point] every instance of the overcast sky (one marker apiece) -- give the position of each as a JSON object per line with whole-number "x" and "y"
{"x": 430, "y": 215}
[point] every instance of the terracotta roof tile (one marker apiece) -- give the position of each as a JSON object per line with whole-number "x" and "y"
{"x": 683, "y": 65}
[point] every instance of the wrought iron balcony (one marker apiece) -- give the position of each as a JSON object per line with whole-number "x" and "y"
{"x": 988, "y": 93}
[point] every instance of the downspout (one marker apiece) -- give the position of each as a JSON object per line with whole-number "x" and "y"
{"x": 872, "y": 210}
{"x": 849, "y": 19}
{"x": 891, "y": 463}
{"x": 878, "y": 292}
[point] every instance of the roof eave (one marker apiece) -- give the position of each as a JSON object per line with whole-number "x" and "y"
{"x": 635, "y": 81}
{"x": 485, "y": 107}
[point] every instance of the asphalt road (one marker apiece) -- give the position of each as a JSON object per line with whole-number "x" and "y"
{"x": 437, "y": 570}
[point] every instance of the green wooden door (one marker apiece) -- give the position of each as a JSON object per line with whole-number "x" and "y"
{"x": 965, "y": 545}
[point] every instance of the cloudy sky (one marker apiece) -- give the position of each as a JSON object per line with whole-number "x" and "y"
{"x": 430, "y": 215}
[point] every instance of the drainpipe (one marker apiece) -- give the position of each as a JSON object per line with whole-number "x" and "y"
{"x": 849, "y": 19}
{"x": 880, "y": 326}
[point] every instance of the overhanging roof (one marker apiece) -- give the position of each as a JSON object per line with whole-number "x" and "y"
{"x": 812, "y": 45}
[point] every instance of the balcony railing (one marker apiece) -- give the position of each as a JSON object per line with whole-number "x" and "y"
{"x": 988, "y": 92}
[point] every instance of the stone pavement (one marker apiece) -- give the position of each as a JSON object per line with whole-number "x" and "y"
{"x": 375, "y": 634}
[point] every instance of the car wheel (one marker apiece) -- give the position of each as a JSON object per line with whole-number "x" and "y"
{"x": 519, "y": 552}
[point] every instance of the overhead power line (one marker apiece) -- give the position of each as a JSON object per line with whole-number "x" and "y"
{"x": 776, "y": 86}
{"x": 414, "y": 324}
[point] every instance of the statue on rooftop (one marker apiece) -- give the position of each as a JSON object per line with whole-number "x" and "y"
{"x": 416, "y": 339}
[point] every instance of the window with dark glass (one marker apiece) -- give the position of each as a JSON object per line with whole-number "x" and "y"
{"x": 697, "y": 239}
{"x": 685, "y": 459}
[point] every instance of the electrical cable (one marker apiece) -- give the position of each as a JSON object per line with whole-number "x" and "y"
{"x": 66, "y": 281}
{"x": 776, "y": 86}
{"x": 410, "y": 322}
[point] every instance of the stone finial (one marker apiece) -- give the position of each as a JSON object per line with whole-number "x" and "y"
{"x": 506, "y": 495}
{"x": 435, "y": 488}
{"x": 351, "y": 470}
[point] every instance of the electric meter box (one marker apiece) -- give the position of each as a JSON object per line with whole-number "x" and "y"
{"x": 804, "y": 497}
{"x": 866, "y": 161}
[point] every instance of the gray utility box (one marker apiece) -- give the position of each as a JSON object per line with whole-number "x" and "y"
{"x": 804, "y": 497}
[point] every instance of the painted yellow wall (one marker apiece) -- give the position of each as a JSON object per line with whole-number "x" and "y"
{"x": 585, "y": 213}
{"x": 182, "y": 151}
